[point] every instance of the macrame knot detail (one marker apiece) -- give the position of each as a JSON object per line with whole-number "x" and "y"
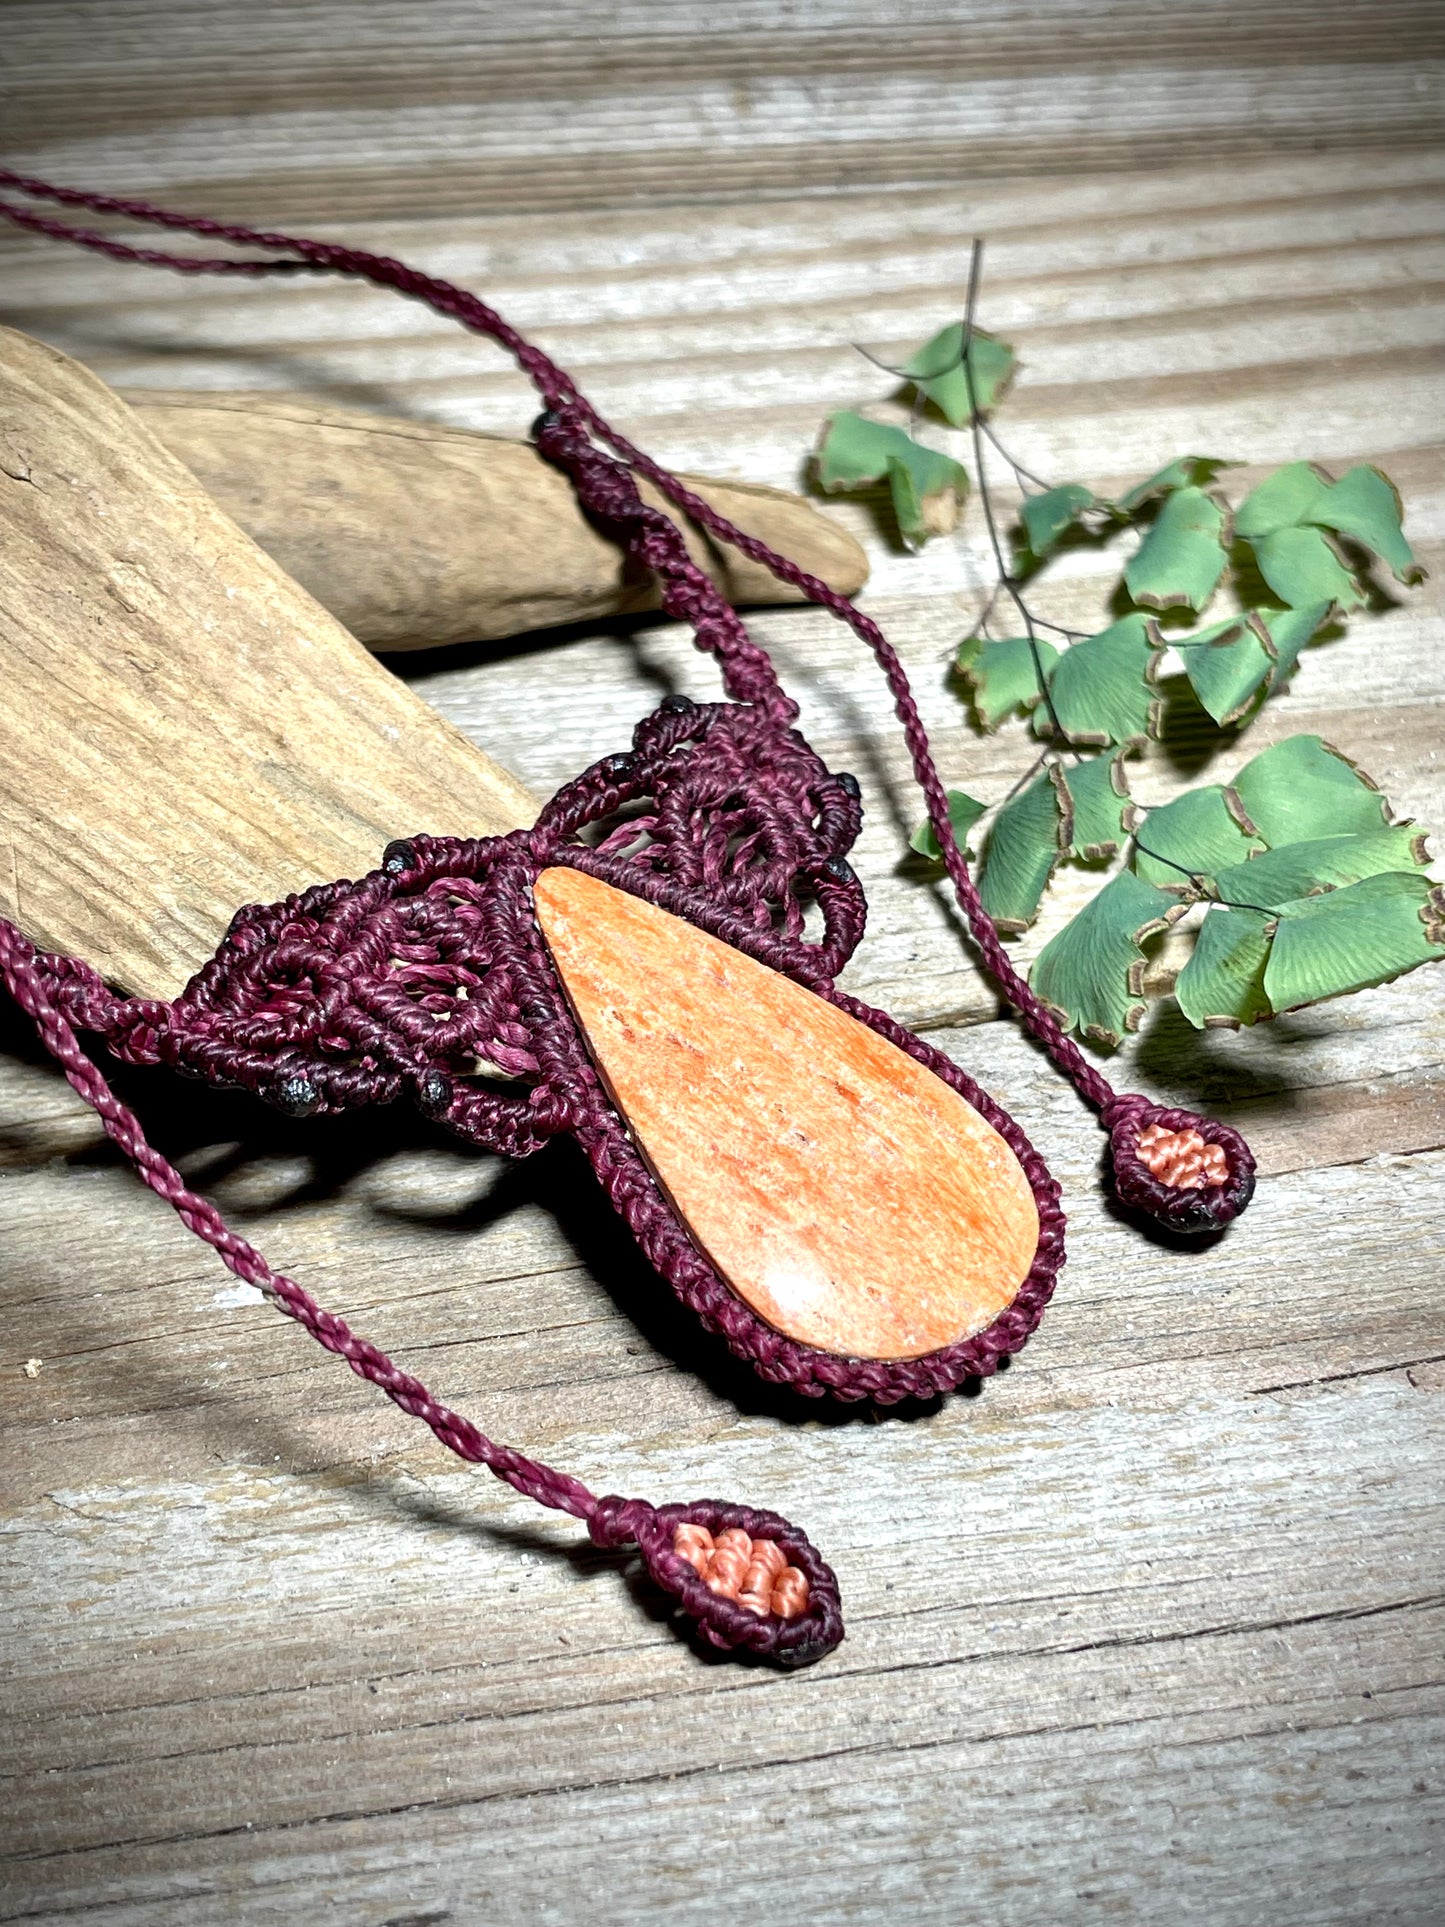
{"x": 1182, "y": 1158}
{"x": 615, "y": 1522}
{"x": 1191, "y": 1173}
{"x": 750, "y": 1580}
{"x": 755, "y": 1572}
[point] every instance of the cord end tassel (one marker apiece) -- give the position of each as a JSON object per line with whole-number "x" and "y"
{"x": 1191, "y": 1173}
{"x": 750, "y": 1580}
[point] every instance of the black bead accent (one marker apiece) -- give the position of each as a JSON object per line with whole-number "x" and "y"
{"x": 620, "y": 765}
{"x": 848, "y": 783}
{"x": 434, "y": 1093}
{"x": 398, "y": 857}
{"x": 297, "y": 1096}
{"x": 676, "y": 705}
{"x": 549, "y": 418}
{"x": 841, "y": 868}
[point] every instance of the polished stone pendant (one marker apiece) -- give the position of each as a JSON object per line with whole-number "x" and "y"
{"x": 845, "y": 1193}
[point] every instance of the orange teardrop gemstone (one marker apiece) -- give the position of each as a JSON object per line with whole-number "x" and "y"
{"x": 854, "y": 1200}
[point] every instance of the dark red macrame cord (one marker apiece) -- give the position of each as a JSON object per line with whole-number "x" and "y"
{"x": 409, "y": 981}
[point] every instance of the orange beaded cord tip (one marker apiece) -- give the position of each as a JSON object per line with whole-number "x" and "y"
{"x": 755, "y": 1572}
{"x": 1182, "y": 1158}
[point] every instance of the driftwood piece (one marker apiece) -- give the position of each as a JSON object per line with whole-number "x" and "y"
{"x": 415, "y": 535}
{"x": 185, "y": 730}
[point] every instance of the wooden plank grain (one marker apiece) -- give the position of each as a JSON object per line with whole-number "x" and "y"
{"x": 337, "y": 109}
{"x": 1152, "y": 1622}
{"x": 1202, "y": 1817}
{"x": 1107, "y": 1626}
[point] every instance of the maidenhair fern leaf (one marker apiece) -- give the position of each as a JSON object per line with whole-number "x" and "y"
{"x": 1303, "y": 788}
{"x": 1103, "y": 688}
{"x": 1188, "y": 471}
{"x": 1098, "y": 791}
{"x": 1092, "y": 972}
{"x": 1004, "y": 675}
{"x": 1284, "y": 633}
{"x": 963, "y": 812}
{"x": 1365, "y": 505}
{"x": 1303, "y": 567}
{"x": 1350, "y": 939}
{"x": 1180, "y": 560}
{"x": 1230, "y": 663}
{"x": 937, "y": 371}
{"x": 1227, "y": 665}
{"x": 1283, "y": 500}
{"x": 1028, "y": 838}
{"x": 1294, "y": 870}
{"x": 1047, "y": 515}
{"x": 926, "y": 486}
{"x": 1222, "y": 984}
{"x": 1198, "y": 834}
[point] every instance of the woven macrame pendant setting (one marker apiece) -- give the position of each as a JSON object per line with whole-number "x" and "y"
{"x": 848, "y": 1196}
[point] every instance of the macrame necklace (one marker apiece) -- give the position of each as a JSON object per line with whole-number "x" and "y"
{"x": 576, "y": 963}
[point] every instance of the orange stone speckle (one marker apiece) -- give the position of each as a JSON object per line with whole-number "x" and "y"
{"x": 849, "y": 1196}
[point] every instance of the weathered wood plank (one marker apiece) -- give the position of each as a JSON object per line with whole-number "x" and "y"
{"x": 1152, "y": 1622}
{"x": 1089, "y": 1600}
{"x": 1297, "y": 1813}
{"x": 336, "y": 109}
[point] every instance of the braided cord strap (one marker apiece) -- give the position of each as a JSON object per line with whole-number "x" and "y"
{"x": 31, "y": 979}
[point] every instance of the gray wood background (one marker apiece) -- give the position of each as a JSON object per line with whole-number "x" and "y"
{"x": 1153, "y": 1626}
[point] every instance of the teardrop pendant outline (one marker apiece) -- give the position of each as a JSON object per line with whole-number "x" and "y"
{"x": 854, "y": 1201}
{"x": 669, "y": 1247}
